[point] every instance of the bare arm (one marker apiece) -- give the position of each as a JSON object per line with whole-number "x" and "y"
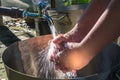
{"x": 106, "y": 29}
{"x": 88, "y": 19}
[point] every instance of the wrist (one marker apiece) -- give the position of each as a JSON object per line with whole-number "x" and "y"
{"x": 77, "y": 33}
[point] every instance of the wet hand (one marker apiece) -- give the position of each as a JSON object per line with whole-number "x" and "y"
{"x": 62, "y": 57}
{"x": 68, "y": 56}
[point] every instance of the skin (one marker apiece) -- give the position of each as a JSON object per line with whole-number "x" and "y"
{"x": 78, "y": 54}
{"x": 87, "y": 21}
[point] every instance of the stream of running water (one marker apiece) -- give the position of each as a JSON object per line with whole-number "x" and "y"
{"x": 47, "y": 68}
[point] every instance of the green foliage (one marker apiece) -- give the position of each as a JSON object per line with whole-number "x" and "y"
{"x": 74, "y": 2}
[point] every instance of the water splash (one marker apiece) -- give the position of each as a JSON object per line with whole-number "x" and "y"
{"x": 46, "y": 67}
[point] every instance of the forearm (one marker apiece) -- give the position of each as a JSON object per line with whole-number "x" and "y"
{"x": 88, "y": 19}
{"x": 104, "y": 31}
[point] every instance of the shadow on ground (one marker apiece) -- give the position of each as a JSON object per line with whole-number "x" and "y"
{"x": 7, "y": 37}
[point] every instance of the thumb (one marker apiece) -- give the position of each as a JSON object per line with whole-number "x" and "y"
{"x": 59, "y": 39}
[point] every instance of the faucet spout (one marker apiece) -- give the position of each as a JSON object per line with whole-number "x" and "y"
{"x": 51, "y": 25}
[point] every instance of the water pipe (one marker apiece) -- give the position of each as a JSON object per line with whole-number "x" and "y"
{"x": 20, "y": 13}
{"x": 16, "y": 13}
{"x": 12, "y": 12}
{"x": 42, "y": 15}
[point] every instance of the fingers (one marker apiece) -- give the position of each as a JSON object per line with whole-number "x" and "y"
{"x": 53, "y": 57}
{"x": 59, "y": 42}
{"x": 60, "y": 38}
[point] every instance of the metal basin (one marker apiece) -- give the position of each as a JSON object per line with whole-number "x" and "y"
{"x": 19, "y": 60}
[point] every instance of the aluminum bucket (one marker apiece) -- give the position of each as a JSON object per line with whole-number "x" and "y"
{"x": 22, "y": 53}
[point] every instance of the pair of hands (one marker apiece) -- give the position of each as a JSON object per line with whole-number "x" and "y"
{"x": 69, "y": 57}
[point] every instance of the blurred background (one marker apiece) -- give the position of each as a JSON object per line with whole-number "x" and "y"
{"x": 64, "y": 15}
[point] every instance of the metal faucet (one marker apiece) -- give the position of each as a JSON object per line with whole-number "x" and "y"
{"x": 20, "y": 13}
{"x": 43, "y": 17}
{"x": 42, "y": 26}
